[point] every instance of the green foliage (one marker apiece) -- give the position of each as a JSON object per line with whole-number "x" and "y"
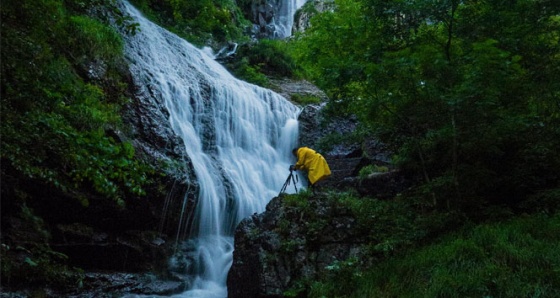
{"x": 547, "y": 202}
{"x": 243, "y": 70}
{"x": 331, "y": 140}
{"x": 272, "y": 56}
{"x": 344, "y": 272}
{"x": 54, "y": 123}
{"x": 464, "y": 93}
{"x": 388, "y": 229}
{"x": 299, "y": 200}
{"x": 298, "y": 290}
{"x": 199, "y": 21}
{"x": 41, "y": 266}
{"x": 89, "y": 39}
{"x": 389, "y": 226}
{"x": 305, "y": 99}
{"x": 518, "y": 258}
{"x": 370, "y": 169}
{"x": 266, "y": 57}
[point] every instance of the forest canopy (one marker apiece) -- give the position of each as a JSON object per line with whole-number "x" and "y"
{"x": 465, "y": 93}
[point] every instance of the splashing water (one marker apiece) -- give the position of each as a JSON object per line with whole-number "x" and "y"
{"x": 238, "y": 137}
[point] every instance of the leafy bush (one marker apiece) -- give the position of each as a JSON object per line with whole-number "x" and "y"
{"x": 266, "y": 57}
{"x": 272, "y": 56}
{"x": 199, "y": 21}
{"x": 54, "y": 123}
{"x": 243, "y": 70}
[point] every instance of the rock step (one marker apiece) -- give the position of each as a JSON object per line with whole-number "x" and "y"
{"x": 342, "y": 168}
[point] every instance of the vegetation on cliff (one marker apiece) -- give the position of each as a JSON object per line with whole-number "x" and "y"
{"x": 62, "y": 93}
{"x": 55, "y": 118}
{"x": 201, "y": 22}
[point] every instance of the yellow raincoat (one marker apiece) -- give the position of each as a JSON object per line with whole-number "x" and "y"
{"x": 314, "y": 163}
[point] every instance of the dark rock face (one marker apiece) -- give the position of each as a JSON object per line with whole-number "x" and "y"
{"x": 130, "y": 251}
{"x": 283, "y": 244}
{"x": 287, "y": 243}
{"x": 109, "y": 285}
{"x": 123, "y": 283}
{"x": 263, "y": 14}
{"x": 313, "y": 126}
{"x": 150, "y": 132}
{"x": 288, "y": 88}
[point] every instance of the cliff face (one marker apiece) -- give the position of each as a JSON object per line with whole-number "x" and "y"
{"x": 286, "y": 243}
{"x": 305, "y": 238}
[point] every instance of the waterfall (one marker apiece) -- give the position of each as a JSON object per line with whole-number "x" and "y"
{"x": 238, "y": 137}
{"x": 284, "y": 21}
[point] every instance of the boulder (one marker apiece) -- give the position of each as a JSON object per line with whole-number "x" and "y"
{"x": 284, "y": 244}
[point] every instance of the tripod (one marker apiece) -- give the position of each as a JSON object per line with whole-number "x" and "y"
{"x": 290, "y": 178}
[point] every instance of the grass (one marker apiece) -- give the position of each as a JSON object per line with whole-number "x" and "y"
{"x": 517, "y": 258}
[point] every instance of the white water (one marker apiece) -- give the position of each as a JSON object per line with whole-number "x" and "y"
{"x": 285, "y": 17}
{"x": 237, "y": 135}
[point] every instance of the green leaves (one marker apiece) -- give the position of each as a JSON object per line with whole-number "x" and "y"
{"x": 90, "y": 39}
{"x": 449, "y": 86}
{"x": 54, "y": 124}
{"x": 267, "y": 56}
{"x": 98, "y": 160}
{"x": 199, "y": 20}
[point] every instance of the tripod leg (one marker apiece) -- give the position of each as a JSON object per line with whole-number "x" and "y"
{"x": 285, "y": 184}
{"x": 294, "y": 180}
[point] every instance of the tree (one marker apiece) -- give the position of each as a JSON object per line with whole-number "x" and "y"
{"x": 455, "y": 88}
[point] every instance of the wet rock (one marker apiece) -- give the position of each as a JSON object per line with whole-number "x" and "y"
{"x": 314, "y": 126}
{"x": 125, "y": 285}
{"x": 262, "y": 15}
{"x": 289, "y": 88}
{"x": 283, "y": 244}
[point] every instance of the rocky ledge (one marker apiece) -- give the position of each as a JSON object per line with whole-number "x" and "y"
{"x": 275, "y": 248}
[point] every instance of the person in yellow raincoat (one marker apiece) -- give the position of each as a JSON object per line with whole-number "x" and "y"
{"x": 312, "y": 162}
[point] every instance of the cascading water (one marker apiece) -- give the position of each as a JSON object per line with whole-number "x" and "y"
{"x": 284, "y": 21}
{"x": 238, "y": 137}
